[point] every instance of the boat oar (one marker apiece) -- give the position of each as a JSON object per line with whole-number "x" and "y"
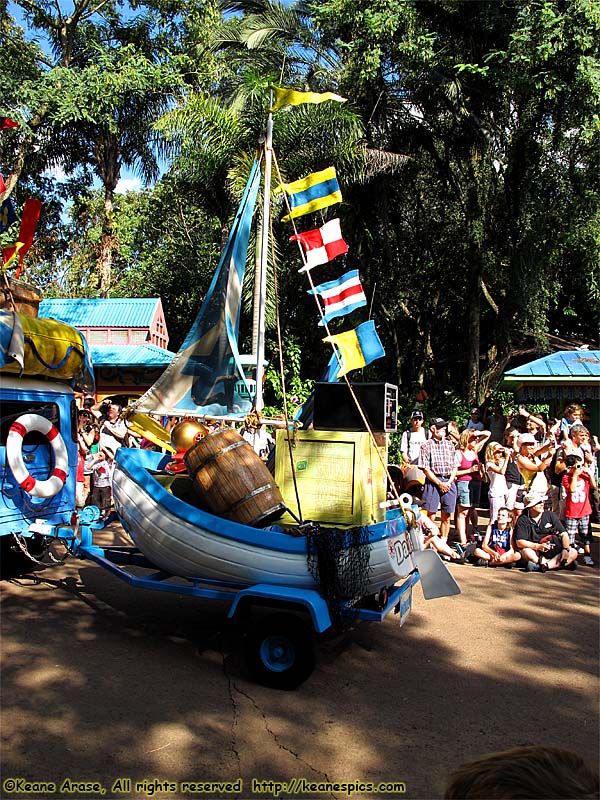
{"x": 148, "y": 428}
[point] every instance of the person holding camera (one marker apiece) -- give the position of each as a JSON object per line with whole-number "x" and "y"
{"x": 87, "y": 436}
{"x": 497, "y": 458}
{"x": 114, "y": 433}
{"x": 578, "y": 481}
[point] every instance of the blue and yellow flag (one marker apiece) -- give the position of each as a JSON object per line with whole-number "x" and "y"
{"x": 356, "y": 348}
{"x": 318, "y": 190}
{"x": 290, "y": 97}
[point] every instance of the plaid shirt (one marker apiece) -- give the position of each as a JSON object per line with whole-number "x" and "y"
{"x": 441, "y": 457}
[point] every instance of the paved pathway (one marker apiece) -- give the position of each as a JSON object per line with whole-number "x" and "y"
{"x": 102, "y": 682}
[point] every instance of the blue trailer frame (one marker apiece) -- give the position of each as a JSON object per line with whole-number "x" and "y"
{"x": 116, "y": 558}
{"x": 280, "y": 647}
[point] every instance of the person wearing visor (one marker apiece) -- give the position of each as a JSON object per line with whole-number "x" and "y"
{"x": 439, "y": 460}
{"x": 532, "y": 461}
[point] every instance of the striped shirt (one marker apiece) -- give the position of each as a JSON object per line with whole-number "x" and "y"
{"x": 440, "y": 457}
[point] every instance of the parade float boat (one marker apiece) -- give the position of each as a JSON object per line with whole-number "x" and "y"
{"x": 227, "y": 519}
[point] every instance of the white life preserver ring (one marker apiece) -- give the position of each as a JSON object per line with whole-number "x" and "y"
{"x": 14, "y": 454}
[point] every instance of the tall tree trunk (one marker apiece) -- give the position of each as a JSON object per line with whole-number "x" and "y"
{"x": 106, "y": 150}
{"x": 107, "y": 243}
{"x": 473, "y": 344}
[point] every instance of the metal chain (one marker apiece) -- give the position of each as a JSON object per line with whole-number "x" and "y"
{"x": 48, "y": 542}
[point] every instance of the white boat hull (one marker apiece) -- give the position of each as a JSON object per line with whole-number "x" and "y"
{"x": 187, "y": 541}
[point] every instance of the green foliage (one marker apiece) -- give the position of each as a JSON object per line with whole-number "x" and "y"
{"x": 295, "y": 386}
{"x": 468, "y": 156}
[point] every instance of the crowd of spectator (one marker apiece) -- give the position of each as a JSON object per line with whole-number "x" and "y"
{"x": 536, "y": 477}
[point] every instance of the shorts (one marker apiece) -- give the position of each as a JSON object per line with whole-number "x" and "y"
{"x": 434, "y": 499}
{"x": 468, "y": 493}
{"x": 515, "y": 496}
{"x": 579, "y": 525}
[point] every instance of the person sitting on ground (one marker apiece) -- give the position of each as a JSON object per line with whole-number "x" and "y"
{"x": 497, "y": 458}
{"x": 542, "y": 538}
{"x": 432, "y": 539}
{"x": 578, "y": 481}
{"x": 498, "y": 548}
{"x": 534, "y": 772}
{"x": 468, "y": 476}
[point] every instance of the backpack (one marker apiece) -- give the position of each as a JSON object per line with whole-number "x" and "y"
{"x": 408, "y": 435}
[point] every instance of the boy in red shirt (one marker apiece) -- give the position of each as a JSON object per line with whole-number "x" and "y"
{"x": 577, "y": 482}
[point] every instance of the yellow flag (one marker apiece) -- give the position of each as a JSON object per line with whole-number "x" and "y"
{"x": 350, "y": 351}
{"x": 312, "y": 193}
{"x": 290, "y": 97}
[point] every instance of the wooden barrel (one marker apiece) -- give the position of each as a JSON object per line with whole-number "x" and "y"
{"x": 26, "y": 298}
{"x": 232, "y": 480}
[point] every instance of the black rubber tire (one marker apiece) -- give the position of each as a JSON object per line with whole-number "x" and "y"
{"x": 279, "y": 651}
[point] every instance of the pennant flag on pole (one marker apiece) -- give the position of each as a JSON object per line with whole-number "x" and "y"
{"x": 5, "y": 122}
{"x": 7, "y": 215}
{"x": 341, "y": 296}
{"x": 318, "y": 190}
{"x": 321, "y": 244}
{"x": 357, "y": 348}
{"x": 289, "y": 97}
{"x": 10, "y": 253}
{"x": 29, "y": 221}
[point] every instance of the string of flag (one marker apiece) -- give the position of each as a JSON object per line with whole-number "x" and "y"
{"x": 355, "y": 348}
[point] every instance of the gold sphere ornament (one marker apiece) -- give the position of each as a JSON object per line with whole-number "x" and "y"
{"x": 187, "y": 433}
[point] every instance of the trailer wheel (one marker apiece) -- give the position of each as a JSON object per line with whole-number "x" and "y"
{"x": 279, "y": 651}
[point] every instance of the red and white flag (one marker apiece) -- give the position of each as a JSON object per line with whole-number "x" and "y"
{"x": 321, "y": 244}
{"x": 340, "y": 297}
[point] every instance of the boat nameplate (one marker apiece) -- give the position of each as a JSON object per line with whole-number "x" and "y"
{"x": 400, "y": 550}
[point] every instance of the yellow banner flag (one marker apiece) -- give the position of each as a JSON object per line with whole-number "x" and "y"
{"x": 350, "y": 352}
{"x": 357, "y": 348}
{"x": 290, "y": 97}
{"x": 312, "y": 193}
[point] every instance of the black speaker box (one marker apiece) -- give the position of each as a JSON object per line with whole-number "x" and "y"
{"x": 335, "y": 408}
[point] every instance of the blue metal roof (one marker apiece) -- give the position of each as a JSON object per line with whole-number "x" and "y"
{"x": 130, "y": 355}
{"x": 582, "y": 365}
{"x": 103, "y": 312}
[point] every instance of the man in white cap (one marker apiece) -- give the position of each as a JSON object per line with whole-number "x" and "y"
{"x": 413, "y": 438}
{"x": 542, "y": 538}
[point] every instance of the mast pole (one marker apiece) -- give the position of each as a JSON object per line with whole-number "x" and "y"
{"x": 264, "y": 253}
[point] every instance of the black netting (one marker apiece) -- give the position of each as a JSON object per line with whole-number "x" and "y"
{"x": 338, "y": 560}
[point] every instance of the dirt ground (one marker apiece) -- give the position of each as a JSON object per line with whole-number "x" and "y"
{"x": 109, "y": 684}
